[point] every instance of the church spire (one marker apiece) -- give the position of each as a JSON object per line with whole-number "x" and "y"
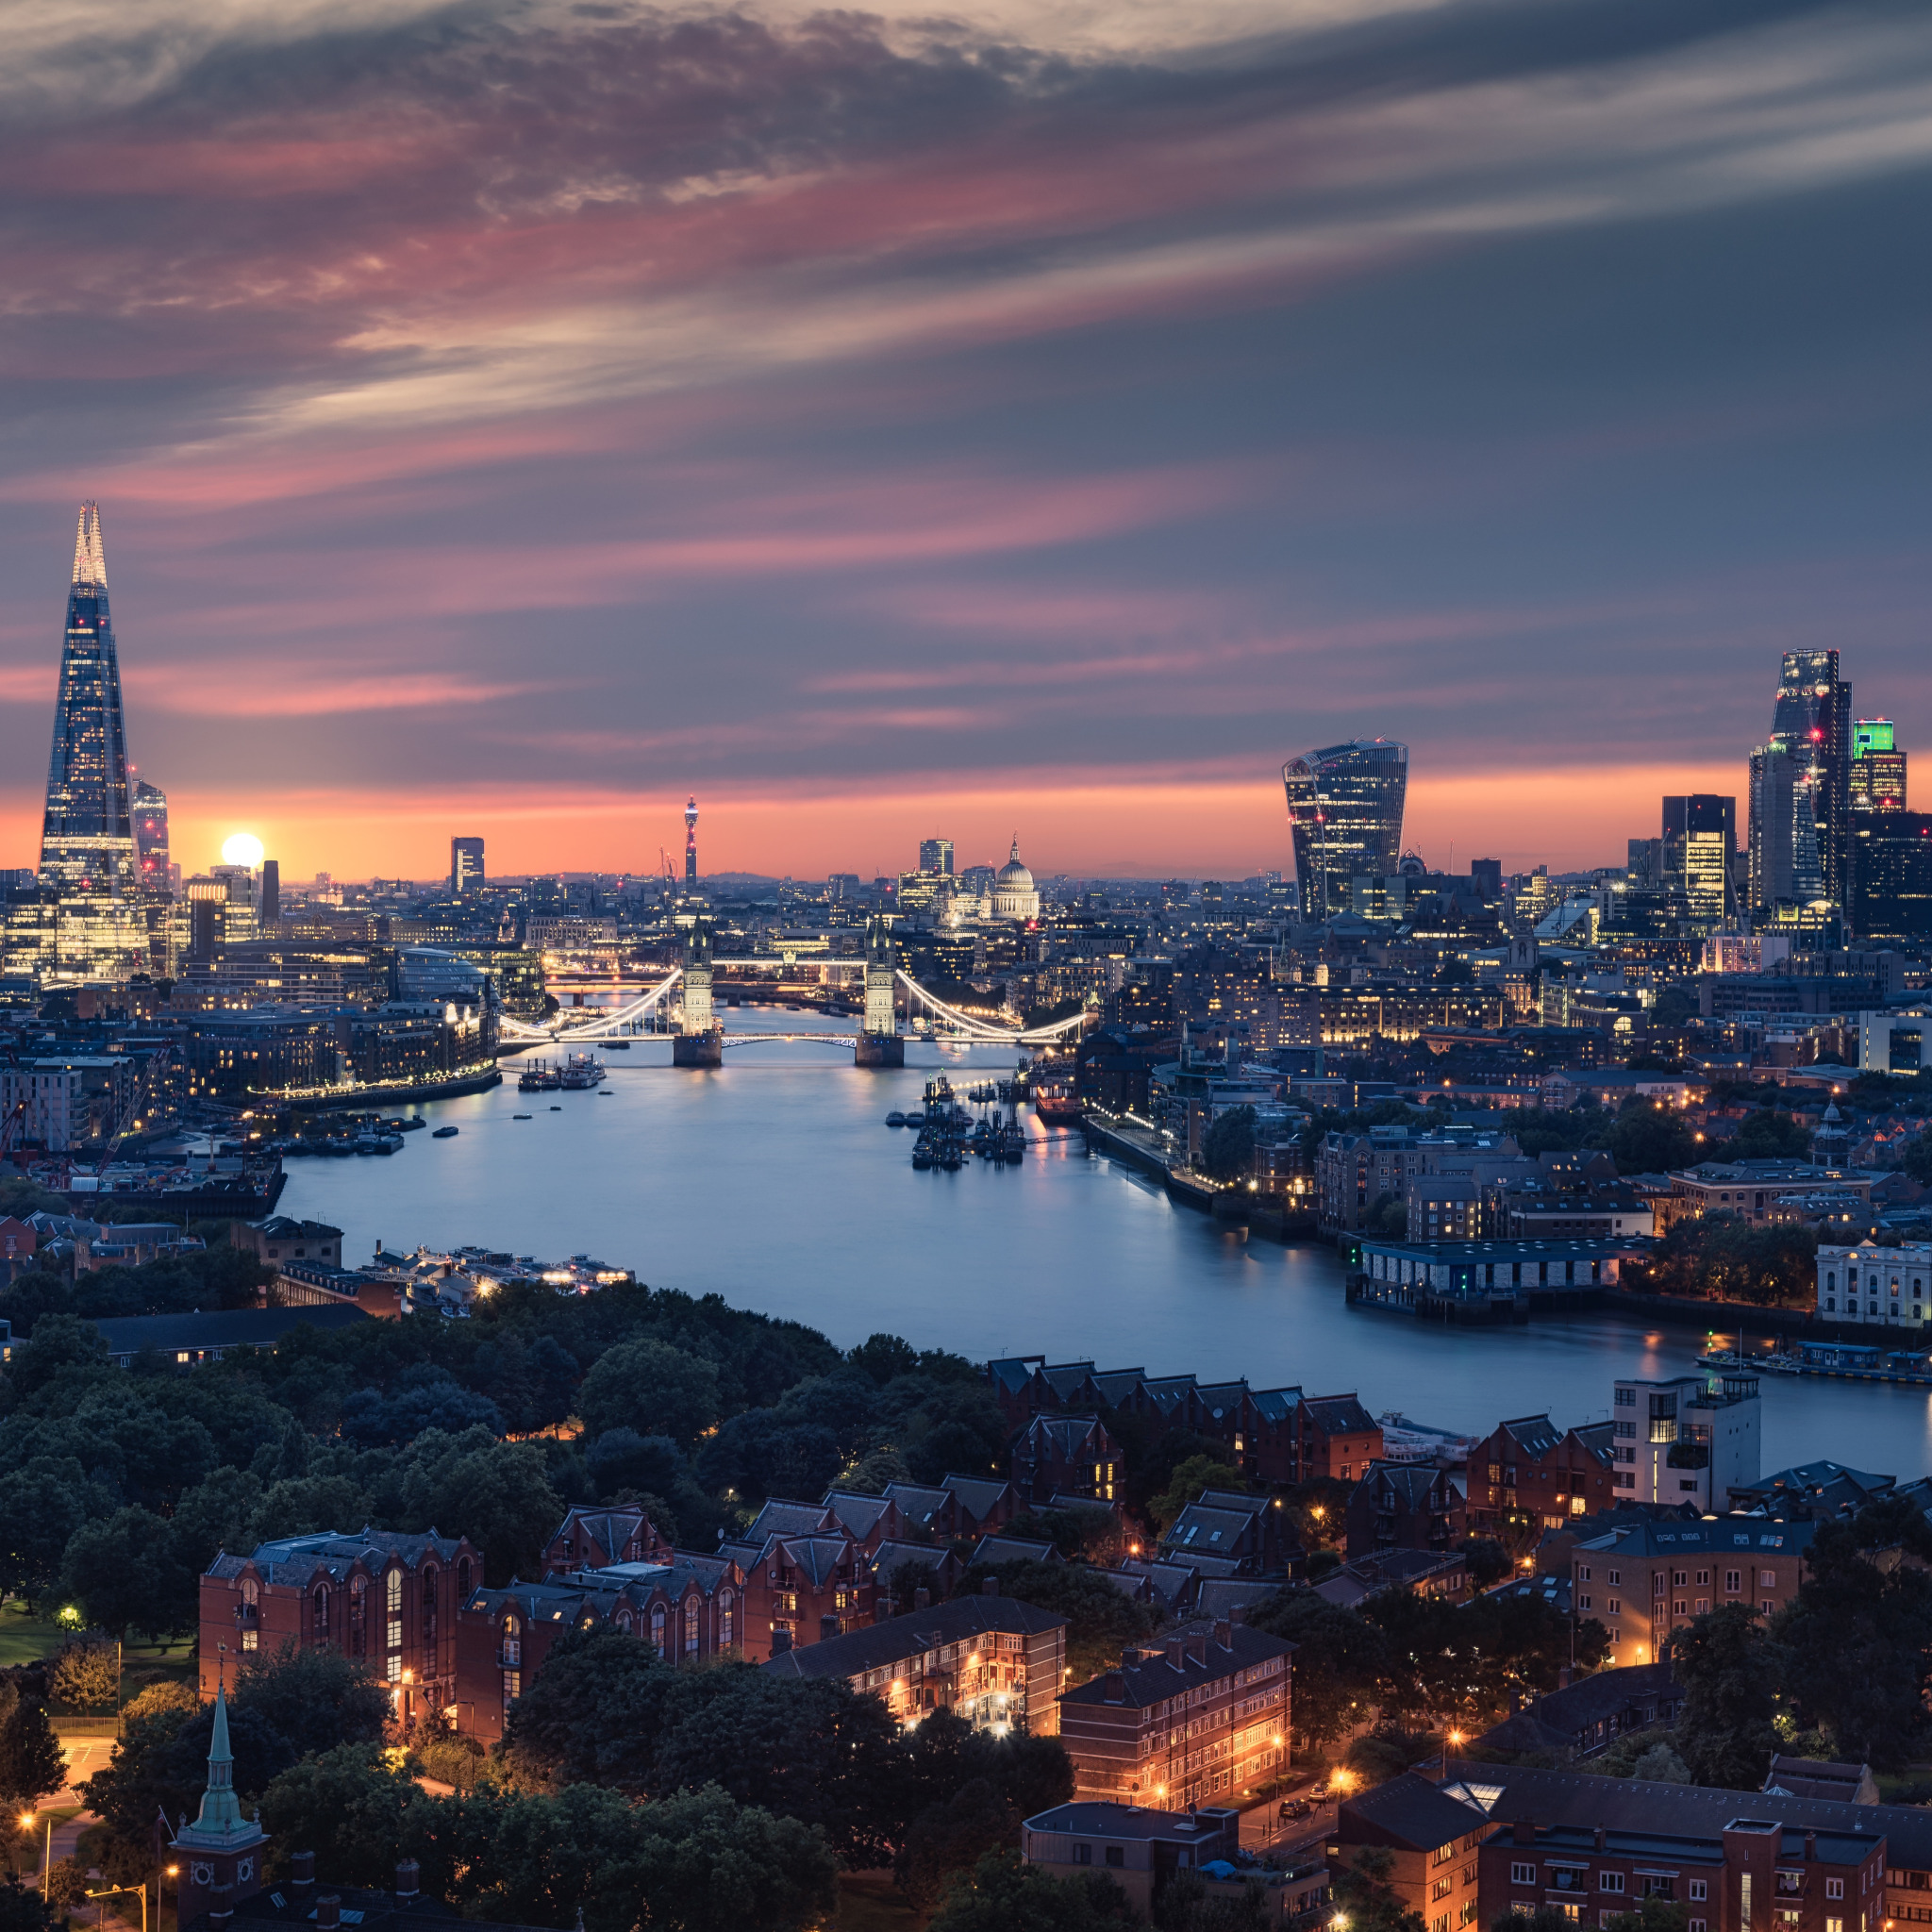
{"x": 220, "y": 1810}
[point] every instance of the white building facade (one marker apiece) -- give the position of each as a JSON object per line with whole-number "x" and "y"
{"x": 1691, "y": 1440}
{"x": 1874, "y": 1286}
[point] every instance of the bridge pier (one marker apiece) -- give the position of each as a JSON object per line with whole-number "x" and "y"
{"x": 878, "y": 1050}
{"x": 698, "y": 1049}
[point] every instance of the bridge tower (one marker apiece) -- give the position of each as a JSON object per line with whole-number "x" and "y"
{"x": 879, "y": 1044}
{"x": 699, "y": 1042}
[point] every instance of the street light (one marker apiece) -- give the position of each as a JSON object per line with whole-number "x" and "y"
{"x": 26, "y": 1823}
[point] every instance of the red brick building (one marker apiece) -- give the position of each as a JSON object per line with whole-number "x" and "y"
{"x": 1432, "y": 1838}
{"x": 595, "y": 1538}
{"x": 1201, "y": 1718}
{"x": 1070, "y": 1456}
{"x": 1404, "y": 1505}
{"x": 1531, "y": 1475}
{"x": 382, "y": 1598}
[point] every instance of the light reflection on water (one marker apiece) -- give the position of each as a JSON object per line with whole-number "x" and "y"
{"x": 774, "y": 1183}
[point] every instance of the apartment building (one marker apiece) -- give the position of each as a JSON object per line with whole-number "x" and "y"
{"x": 1431, "y": 1838}
{"x": 1531, "y": 1472}
{"x": 1644, "y": 1580}
{"x": 1201, "y": 1718}
{"x": 1691, "y": 1440}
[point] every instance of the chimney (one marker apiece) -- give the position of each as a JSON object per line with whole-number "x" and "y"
{"x": 1810, "y": 1848}
{"x": 1238, "y": 1614}
{"x": 882, "y": 1610}
{"x": 408, "y": 1873}
{"x": 302, "y": 1869}
{"x": 1224, "y": 1633}
{"x": 828, "y": 1627}
{"x": 1563, "y": 1677}
{"x": 1177, "y": 1652}
{"x": 1599, "y": 1837}
{"x": 328, "y": 1912}
{"x": 1523, "y": 1832}
{"x": 992, "y": 1586}
{"x": 921, "y": 1599}
{"x": 1113, "y": 1688}
{"x": 781, "y": 1642}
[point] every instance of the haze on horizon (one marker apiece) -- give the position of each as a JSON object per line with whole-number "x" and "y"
{"x": 510, "y": 418}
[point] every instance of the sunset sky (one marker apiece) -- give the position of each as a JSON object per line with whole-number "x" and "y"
{"x": 1044, "y": 418}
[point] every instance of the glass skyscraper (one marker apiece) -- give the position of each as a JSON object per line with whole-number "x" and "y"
{"x": 1344, "y": 809}
{"x": 87, "y": 838}
{"x": 1812, "y": 727}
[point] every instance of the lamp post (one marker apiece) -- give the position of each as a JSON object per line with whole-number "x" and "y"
{"x": 26, "y": 1823}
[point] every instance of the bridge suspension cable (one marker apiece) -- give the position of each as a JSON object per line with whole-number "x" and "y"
{"x": 595, "y": 1025}
{"x": 979, "y": 1029}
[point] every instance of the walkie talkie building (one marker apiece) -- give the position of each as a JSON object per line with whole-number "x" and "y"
{"x": 1344, "y": 809}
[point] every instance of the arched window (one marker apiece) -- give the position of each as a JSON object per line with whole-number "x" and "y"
{"x": 513, "y": 1644}
{"x": 251, "y": 1592}
{"x": 657, "y": 1627}
{"x": 321, "y": 1613}
{"x": 462, "y": 1579}
{"x": 359, "y": 1617}
{"x": 728, "y": 1620}
{"x": 691, "y": 1625}
{"x": 392, "y": 1604}
{"x": 625, "y": 1621}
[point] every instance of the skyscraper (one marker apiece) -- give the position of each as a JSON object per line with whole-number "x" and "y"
{"x": 1344, "y": 810}
{"x": 465, "y": 866}
{"x": 1877, "y": 780}
{"x": 691, "y": 845}
{"x": 1700, "y": 837}
{"x": 87, "y": 838}
{"x": 151, "y": 839}
{"x": 936, "y": 857}
{"x": 1812, "y": 727}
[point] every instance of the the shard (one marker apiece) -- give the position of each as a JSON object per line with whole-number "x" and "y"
{"x": 87, "y": 839}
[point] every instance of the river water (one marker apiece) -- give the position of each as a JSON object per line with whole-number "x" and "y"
{"x": 775, "y": 1182}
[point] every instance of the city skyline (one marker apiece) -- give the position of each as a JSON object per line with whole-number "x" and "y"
{"x": 1092, "y": 408}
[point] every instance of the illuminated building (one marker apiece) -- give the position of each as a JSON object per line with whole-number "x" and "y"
{"x": 87, "y": 839}
{"x": 1892, "y": 875}
{"x": 465, "y": 866}
{"x": 1014, "y": 896}
{"x": 1812, "y": 727}
{"x": 1877, "y": 780}
{"x": 936, "y": 857}
{"x": 1344, "y": 810}
{"x": 691, "y": 845}
{"x": 154, "y": 874}
{"x": 1700, "y": 839}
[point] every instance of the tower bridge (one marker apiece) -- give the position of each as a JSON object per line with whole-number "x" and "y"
{"x": 700, "y": 1042}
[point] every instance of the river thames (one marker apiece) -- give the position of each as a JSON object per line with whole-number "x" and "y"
{"x": 774, "y": 1183}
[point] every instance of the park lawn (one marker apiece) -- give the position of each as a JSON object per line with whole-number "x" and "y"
{"x": 869, "y": 1902}
{"x": 24, "y": 1638}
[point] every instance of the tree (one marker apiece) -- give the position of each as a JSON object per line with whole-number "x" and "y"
{"x": 1340, "y": 1665}
{"x": 1859, "y": 1638}
{"x": 1651, "y": 1915}
{"x": 57, "y": 1343}
{"x": 1487, "y": 1561}
{"x": 315, "y": 1699}
{"x": 21, "y": 1909}
{"x": 1365, "y": 1898}
{"x": 1649, "y": 1139}
{"x": 1228, "y": 1149}
{"x": 31, "y": 1764}
{"x": 594, "y": 1714}
{"x": 348, "y": 1806}
{"x": 811, "y": 1749}
{"x": 1198, "y": 1473}
{"x": 1662, "y": 1765}
{"x": 651, "y": 1388}
{"x": 1000, "y": 1894}
{"x": 127, "y": 1574}
{"x": 86, "y": 1676}
{"x": 1768, "y": 1134}
{"x": 1186, "y": 1905}
{"x": 41, "y": 1504}
{"x": 1543, "y": 1919}
{"x": 1730, "y": 1672}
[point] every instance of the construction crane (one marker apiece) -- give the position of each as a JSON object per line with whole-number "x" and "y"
{"x": 143, "y": 1092}
{"x": 11, "y": 1127}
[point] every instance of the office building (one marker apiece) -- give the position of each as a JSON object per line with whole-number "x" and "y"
{"x": 691, "y": 845}
{"x": 1692, "y": 1439}
{"x": 936, "y": 857}
{"x": 465, "y": 866}
{"x": 151, "y": 839}
{"x": 1892, "y": 875}
{"x": 1877, "y": 781}
{"x": 1700, "y": 840}
{"x": 1344, "y": 813}
{"x": 87, "y": 837}
{"x": 1782, "y": 835}
{"x": 271, "y": 894}
{"x": 1812, "y": 726}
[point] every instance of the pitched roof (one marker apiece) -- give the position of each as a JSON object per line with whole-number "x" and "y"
{"x": 978, "y": 1496}
{"x": 919, "y": 1504}
{"x": 1153, "y": 1673}
{"x": 858, "y": 1513}
{"x": 784, "y": 1516}
{"x": 912, "y": 1635}
{"x": 1210, "y": 1532}
{"x": 1535, "y": 1435}
{"x": 1341, "y": 1414}
{"x": 1718, "y": 1535}
{"x": 1584, "y": 1704}
{"x": 1415, "y": 1812}
{"x": 1013, "y": 1549}
{"x": 293, "y": 1559}
{"x": 1012, "y": 1372}
{"x": 1508, "y": 1791}
{"x": 1412, "y": 1484}
{"x": 608, "y": 1529}
{"x": 817, "y": 1557}
{"x": 1275, "y": 1405}
{"x": 1170, "y": 1581}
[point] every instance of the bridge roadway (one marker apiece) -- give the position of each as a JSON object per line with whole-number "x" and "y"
{"x": 618, "y": 1024}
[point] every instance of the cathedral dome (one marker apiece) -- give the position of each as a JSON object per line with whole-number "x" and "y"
{"x": 1014, "y": 894}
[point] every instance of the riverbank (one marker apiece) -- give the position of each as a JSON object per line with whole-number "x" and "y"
{"x": 1136, "y": 1147}
{"x": 478, "y": 1080}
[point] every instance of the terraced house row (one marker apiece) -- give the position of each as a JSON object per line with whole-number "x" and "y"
{"x": 1274, "y": 1436}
